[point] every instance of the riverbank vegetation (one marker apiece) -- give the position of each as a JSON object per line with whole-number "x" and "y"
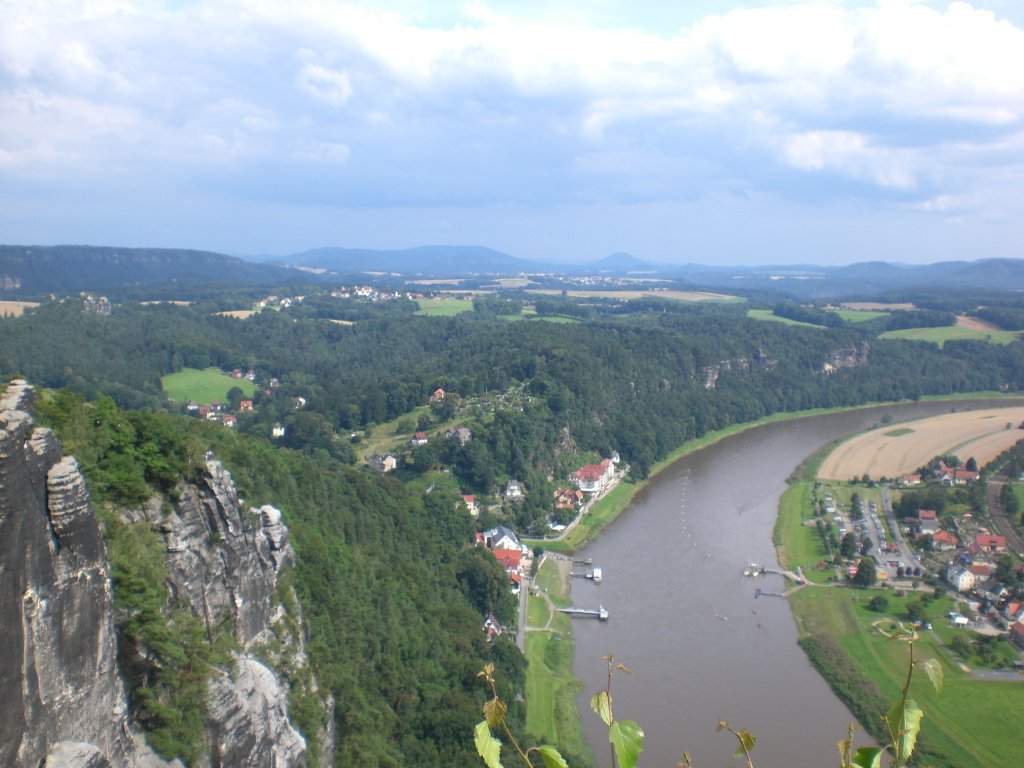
{"x": 970, "y": 723}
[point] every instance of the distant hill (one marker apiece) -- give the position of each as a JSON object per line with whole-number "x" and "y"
{"x": 35, "y": 270}
{"x": 438, "y": 260}
{"x": 622, "y": 262}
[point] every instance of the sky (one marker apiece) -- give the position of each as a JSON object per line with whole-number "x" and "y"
{"x": 704, "y": 131}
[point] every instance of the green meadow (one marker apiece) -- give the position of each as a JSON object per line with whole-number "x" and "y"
{"x": 952, "y": 333}
{"x": 443, "y": 307}
{"x": 203, "y": 386}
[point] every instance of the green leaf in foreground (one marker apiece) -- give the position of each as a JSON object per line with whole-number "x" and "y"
{"x": 552, "y": 758}
{"x": 627, "y": 738}
{"x": 601, "y": 703}
{"x": 488, "y": 747}
{"x": 747, "y": 742}
{"x": 933, "y": 668}
{"x": 904, "y": 725}
{"x": 494, "y": 711}
{"x": 868, "y": 757}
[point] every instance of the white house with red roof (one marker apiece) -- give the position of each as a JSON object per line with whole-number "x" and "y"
{"x": 594, "y": 478}
{"x": 944, "y": 541}
{"x": 420, "y": 438}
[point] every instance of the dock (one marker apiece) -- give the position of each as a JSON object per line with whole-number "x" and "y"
{"x": 594, "y": 575}
{"x": 601, "y": 614}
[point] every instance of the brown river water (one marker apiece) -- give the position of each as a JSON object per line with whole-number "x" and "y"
{"x": 686, "y": 621}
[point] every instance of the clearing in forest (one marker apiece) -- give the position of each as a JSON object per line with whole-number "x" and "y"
{"x": 891, "y": 451}
{"x": 203, "y": 386}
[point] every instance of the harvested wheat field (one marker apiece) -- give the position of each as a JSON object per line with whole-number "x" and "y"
{"x": 897, "y": 449}
{"x": 16, "y": 308}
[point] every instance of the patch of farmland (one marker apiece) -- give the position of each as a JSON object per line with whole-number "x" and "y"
{"x": 892, "y": 452}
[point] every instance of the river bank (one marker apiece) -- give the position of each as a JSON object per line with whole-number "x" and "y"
{"x": 965, "y": 724}
{"x": 632, "y": 601}
{"x": 614, "y": 503}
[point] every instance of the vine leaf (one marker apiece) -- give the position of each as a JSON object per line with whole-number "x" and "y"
{"x": 747, "y": 742}
{"x": 494, "y": 711}
{"x": 933, "y": 668}
{"x": 904, "y": 725}
{"x": 601, "y": 703}
{"x": 488, "y": 747}
{"x": 868, "y": 757}
{"x": 627, "y": 738}
{"x": 552, "y": 758}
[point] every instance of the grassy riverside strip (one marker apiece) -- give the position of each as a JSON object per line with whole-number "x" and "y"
{"x": 969, "y": 723}
{"x": 551, "y": 688}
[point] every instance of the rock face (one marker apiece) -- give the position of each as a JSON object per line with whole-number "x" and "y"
{"x": 62, "y": 697}
{"x": 225, "y": 564}
{"x": 62, "y": 702}
{"x": 758, "y": 360}
{"x": 846, "y": 357}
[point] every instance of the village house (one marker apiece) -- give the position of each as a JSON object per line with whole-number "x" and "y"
{"x": 229, "y": 421}
{"x": 437, "y": 396}
{"x": 986, "y": 544}
{"x": 1017, "y": 634}
{"x": 245, "y": 406}
{"x": 298, "y": 402}
{"x": 568, "y": 498}
{"x": 500, "y": 537}
{"x": 462, "y": 434}
{"x": 910, "y": 480}
{"x": 960, "y": 578}
{"x": 594, "y": 478}
{"x": 205, "y": 411}
{"x": 950, "y": 476}
{"x": 944, "y": 541}
{"x": 493, "y": 627}
{"x": 236, "y": 373}
{"x": 471, "y": 504}
{"x": 192, "y": 405}
{"x": 277, "y": 430}
{"x": 420, "y": 438}
{"x": 382, "y": 462}
{"x": 513, "y": 490}
{"x": 927, "y": 520}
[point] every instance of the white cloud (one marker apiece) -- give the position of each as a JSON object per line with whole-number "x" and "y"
{"x": 326, "y": 85}
{"x": 901, "y": 97}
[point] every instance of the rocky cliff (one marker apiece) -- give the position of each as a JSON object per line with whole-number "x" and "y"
{"x": 59, "y": 683}
{"x": 63, "y": 700}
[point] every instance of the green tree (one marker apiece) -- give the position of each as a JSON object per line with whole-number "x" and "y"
{"x": 866, "y": 574}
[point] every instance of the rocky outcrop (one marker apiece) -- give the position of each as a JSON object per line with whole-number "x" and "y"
{"x": 846, "y": 357}
{"x": 63, "y": 702}
{"x": 758, "y": 361}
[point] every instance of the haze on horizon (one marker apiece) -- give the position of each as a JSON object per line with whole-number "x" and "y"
{"x": 827, "y": 132}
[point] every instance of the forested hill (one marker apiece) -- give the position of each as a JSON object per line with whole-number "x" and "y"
{"x": 393, "y": 595}
{"x": 39, "y": 270}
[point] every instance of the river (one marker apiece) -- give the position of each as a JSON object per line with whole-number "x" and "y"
{"x": 685, "y": 620}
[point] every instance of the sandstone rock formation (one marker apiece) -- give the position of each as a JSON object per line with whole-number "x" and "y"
{"x": 63, "y": 702}
{"x": 58, "y": 675}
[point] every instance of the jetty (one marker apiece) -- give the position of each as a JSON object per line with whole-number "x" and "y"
{"x": 601, "y": 614}
{"x": 593, "y": 575}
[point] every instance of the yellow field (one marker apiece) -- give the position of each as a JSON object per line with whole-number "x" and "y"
{"x": 240, "y": 314}
{"x": 16, "y": 308}
{"x": 896, "y": 449}
{"x": 625, "y": 295}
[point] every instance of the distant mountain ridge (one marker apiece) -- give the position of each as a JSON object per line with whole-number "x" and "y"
{"x": 36, "y": 270}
